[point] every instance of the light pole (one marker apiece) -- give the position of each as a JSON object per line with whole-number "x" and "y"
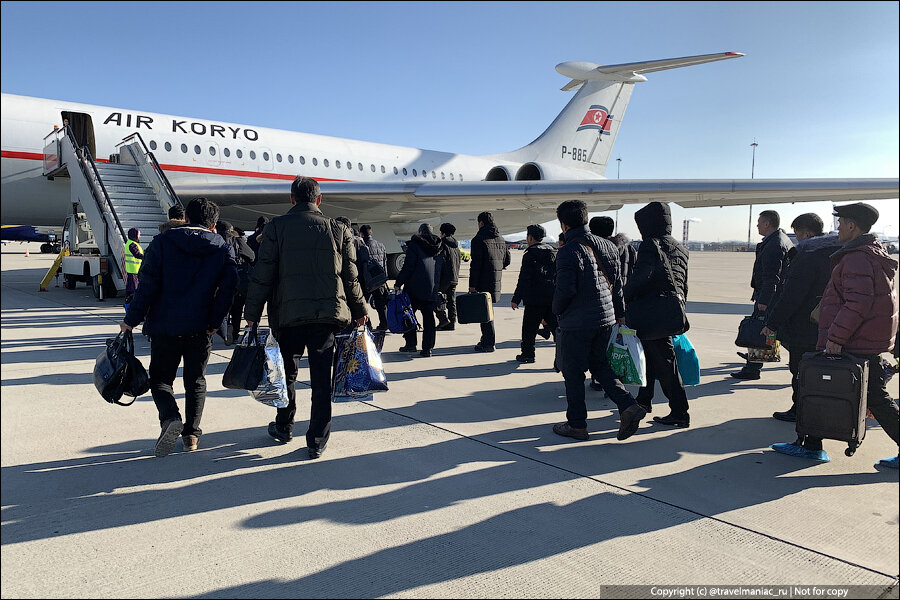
{"x": 752, "y": 169}
{"x": 618, "y": 176}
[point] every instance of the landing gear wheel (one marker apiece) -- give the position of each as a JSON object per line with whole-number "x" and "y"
{"x": 395, "y": 264}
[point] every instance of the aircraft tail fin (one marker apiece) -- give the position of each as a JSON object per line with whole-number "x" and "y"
{"x": 582, "y": 135}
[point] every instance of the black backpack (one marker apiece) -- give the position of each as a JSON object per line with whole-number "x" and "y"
{"x": 243, "y": 267}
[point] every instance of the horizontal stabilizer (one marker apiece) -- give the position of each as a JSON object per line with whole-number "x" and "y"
{"x": 581, "y": 71}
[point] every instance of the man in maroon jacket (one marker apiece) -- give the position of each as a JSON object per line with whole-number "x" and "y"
{"x": 858, "y": 315}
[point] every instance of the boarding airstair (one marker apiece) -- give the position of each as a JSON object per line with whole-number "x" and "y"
{"x": 129, "y": 190}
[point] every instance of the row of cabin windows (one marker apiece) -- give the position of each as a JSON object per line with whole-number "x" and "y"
{"x": 302, "y": 161}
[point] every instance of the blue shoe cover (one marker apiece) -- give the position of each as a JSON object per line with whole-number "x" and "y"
{"x": 801, "y": 452}
{"x": 890, "y": 463}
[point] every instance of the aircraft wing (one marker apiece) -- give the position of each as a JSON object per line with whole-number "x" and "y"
{"x": 416, "y": 199}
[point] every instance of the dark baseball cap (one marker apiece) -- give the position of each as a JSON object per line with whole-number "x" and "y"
{"x": 861, "y": 213}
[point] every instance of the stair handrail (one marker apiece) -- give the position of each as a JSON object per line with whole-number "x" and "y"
{"x": 162, "y": 175}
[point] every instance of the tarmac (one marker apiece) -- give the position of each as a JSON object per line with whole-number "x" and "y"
{"x": 450, "y": 485}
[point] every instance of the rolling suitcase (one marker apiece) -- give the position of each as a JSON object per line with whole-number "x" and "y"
{"x": 832, "y": 398}
{"x": 474, "y": 308}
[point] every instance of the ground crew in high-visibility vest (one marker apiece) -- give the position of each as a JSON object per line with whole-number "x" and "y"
{"x": 134, "y": 255}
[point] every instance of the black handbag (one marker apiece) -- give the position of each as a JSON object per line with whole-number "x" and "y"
{"x": 137, "y": 378}
{"x": 112, "y": 370}
{"x": 373, "y": 275}
{"x": 658, "y": 315}
{"x": 750, "y": 332}
{"x": 245, "y": 370}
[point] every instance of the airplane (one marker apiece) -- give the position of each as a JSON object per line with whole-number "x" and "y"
{"x": 247, "y": 170}
{"x": 29, "y": 233}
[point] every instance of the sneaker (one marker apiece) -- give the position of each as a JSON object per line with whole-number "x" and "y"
{"x": 189, "y": 442}
{"x": 746, "y": 374}
{"x": 171, "y": 430}
{"x": 790, "y": 415}
{"x": 278, "y": 434}
{"x": 408, "y": 349}
{"x": 314, "y": 453}
{"x": 524, "y": 359}
{"x": 425, "y": 353}
{"x": 545, "y": 333}
{"x": 482, "y": 348}
{"x": 566, "y": 430}
{"x": 800, "y": 452}
{"x": 674, "y": 420}
{"x": 890, "y": 463}
{"x": 630, "y": 419}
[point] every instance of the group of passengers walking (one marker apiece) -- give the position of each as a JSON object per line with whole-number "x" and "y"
{"x": 309, "y": 270}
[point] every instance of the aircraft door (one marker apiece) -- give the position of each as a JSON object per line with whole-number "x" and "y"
{"x": 214, "y": 156}
{"x": 82, "y": 128}
{"x": 265, "y": 158}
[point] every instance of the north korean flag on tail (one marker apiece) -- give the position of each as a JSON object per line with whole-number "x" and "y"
{"x": 597, "y": 117}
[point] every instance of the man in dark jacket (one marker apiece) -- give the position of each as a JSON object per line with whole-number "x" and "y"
{"x": 803, "y": 284}
{"x": 588, "y": 302}
{"x": 858, "y": 315}
{"x": 244, "y": 257}
{"x": 772, "y": 256}
{"x": 255, "y": 238}
{"x": 661, "y": 262}
{"x": 306, "y": 271}
{"x": 420, "y": 278}
{"x": 377, "y": 253}
{"x": 188, "y": 279}
{"x": 537, "y": 281}
{"x": 603, "y": 227}
{"x": 490, "y": 255}
{"x": 450, "y": 272}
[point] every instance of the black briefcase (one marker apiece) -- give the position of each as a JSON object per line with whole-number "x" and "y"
{"x": 832, "y": 398}
{"x": 474, "y": 308}
{"x": 750, "y": 333}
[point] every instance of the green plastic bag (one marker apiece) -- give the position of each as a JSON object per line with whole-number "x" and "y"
{"x": 626, "y": 356}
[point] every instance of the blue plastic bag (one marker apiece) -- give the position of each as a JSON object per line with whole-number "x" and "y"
{"x": 686, "y": 359}
{"x": 359, "y": 371}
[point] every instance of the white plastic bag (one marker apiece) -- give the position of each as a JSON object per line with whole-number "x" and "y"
{"x": 626, "y": 356}
{"x": 273, "y": 389}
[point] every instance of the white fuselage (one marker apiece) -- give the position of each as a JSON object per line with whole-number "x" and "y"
{"x": 199, "y": 151}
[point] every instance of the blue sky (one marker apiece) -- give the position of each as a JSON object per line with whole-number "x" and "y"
{"x": 817, "y": 89}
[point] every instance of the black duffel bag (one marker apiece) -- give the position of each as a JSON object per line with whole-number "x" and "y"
{"x": 658, "y": 315}
{"x": 114, "y": 367}
{"x": 750, "y": 332}
{"x": 246, "y": 368}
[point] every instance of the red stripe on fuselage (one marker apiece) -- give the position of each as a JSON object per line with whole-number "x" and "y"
{"x": 205, "y": 170}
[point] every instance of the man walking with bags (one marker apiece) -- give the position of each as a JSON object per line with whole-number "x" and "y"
{"x": 537, "y": 281}
{"x": 449, "y": 272}
{"x": 655, "y": 297}
{"x": 588, "y": 302}
{"x": 306, "y": 271}
{"x": 188, "y": 279}
{"x": 768, "y": 270}
{"x": 858, "y": 315}
{"x": 420, "y": 277}
{"x": 804, "y": 283}
{"x": 490, "y": 255}
{"x": 377, "y": 253}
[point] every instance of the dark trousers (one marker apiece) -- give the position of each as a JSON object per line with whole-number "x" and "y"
{"x": 450, "y": 292}
{"x": 579, "y": 350}
{"x": 488, "y": 336}
{"x": 317, "y": 340}
{"x": 661, "y": 365}
{"x": 166, "y": 353}
{"x": 531, "y": 322}
{"x": 378, "y": 299}
{"x": 428, "y": 325}
{"x": 237, "y": 310}
{"x": 795, "y": 354}
{"x": 883, "y": 408}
